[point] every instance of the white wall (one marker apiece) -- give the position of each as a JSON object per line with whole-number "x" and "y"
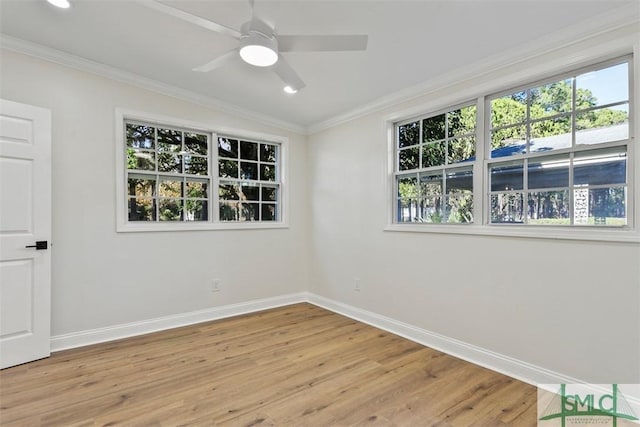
{"x": 101, "y": 278}
{"x": 572, "y": 307}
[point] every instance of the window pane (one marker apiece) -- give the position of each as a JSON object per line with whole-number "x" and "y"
{"x": 600, "y": 167}
{"x": 548, "y": 172}
{"x": 507, "y": 177}
{"x": 408, "y": 134}
{"x": 267, "y": 172}
{"x": 228, "y": 147}
{"x": 141, "y": 160}
{"x": 430, "y": 204}
{"x": 141, "y": 187}
{"x": 268, "y": 153}
{"x": 198, "y": 189}
{"x": 602, "y": 87}
{"x": 429, "y": 210}
{"x": 169, "y": 163}
{"x": 462, "y": 122}
{"x": 269, "y": 193}
{"x": 196, "y": 210}
{"x": 459, "y": 196}
{"x": 407, "y": 210}
{"x": 248, "y": 170}
{"x": 459, "y": 180}
{"x": 462, "y": 149}
{"x": 140, "y": 136}
{"x": 142, "y": 209}
{"x": 407, "y": 187}
{"x": 169, "y": 141}
{"x": 196, "y": 165}
{"x": 434, "y": 154}
{"x": 195, "y": 143}
{"x": 269, "y": 212}
{"x": 548, "y": 208}
{"x": 409, "y": 158}
{"x": 603, "y": 125}
{"x": 460, "y": 208}
{"x": 551, "y": 99}
{"x": 600, "y": 206}
{"x": 431, "y": 185}
{"x": 170, "y": 209}
{"x": 433, "y": 129}
{"x": 251, "y": 192}
{"x": 548, "y": 135}
{"x": 508, "y": 141}
{"x": 250, "y": 212}
{"x": 170, "y": 188}
{"x": 509, "y": 110}
{"x": 248, "y": 150}
{"x": 228, "y": 192}
{"x": 507, "y": 208}
{"x": 229, "y": 211}
{"x": 227, "y": 168}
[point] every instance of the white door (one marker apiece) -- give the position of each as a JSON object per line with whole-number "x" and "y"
{"x": 25, "y": 218}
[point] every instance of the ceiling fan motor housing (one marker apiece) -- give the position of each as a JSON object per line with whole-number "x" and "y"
{"x": 258, "y": 44}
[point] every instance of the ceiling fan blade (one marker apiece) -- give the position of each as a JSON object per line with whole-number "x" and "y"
{"x": 193, "y": 19}
{"x": 288, "y": 74}
{"x": 327, "y": 43}
{"x": 217, "y": 62}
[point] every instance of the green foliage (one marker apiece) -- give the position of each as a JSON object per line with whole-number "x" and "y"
{"x": 132, "y": 161}
{"x": 552, "y": 100}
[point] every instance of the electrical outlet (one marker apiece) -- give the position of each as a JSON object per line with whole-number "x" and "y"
{"x": 215, "y": 285}
{"x": 356, "y": 284}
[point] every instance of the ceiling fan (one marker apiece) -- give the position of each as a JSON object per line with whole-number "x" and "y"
{"x": 260, "y": 45}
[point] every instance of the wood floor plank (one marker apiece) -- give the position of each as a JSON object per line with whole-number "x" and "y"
{"x": 298, "y": 365}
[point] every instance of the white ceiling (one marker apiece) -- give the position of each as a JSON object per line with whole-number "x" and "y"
{"x": 410, "y": 43}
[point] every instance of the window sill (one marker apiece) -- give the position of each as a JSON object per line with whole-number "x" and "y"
{"x": 622, "y": 235}
{"x": 189, "y": 226}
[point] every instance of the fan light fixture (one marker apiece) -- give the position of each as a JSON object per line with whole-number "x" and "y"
{"x": 64, "y": 4}
{"x": 290, "y": 89}
{"x": 258, "y": 49}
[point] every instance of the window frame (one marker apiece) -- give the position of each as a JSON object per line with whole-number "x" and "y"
{"x": 442, "y": 169}
{"x": 570, "y": 152}
{"x": 494, "y": 88}
{"x": 122, "y": 116}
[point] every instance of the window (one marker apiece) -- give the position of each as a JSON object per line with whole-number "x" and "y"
{"x": 195, "y": 178}
{"x": 168, "y": 175}
{"x": 248, "y": 188}
{"x": 551, "y": 154}
{"x": 434, "y": 178}
{"x": 570, "y": 137}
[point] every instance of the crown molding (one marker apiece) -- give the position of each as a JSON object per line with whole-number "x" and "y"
{"x": 86, "y": 65}
{"x": 591, "y": 28}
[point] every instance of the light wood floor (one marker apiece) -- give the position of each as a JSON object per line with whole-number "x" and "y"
{"x": 298, "y": 365}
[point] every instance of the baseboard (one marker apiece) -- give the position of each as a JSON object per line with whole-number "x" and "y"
{"x": 506, "y": 365}
{"x": 111, "y": 333}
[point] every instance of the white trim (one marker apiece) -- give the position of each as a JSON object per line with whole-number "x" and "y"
{"x": 622, "y": 235}
{"x": 122, "y": 225}
{"x": 497, "y": 362}
{"x": 116, "y": 332}
{"x": 599, "y": 26}
{"x": 82, "y": 64}
{"x": 518, "y": 369}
